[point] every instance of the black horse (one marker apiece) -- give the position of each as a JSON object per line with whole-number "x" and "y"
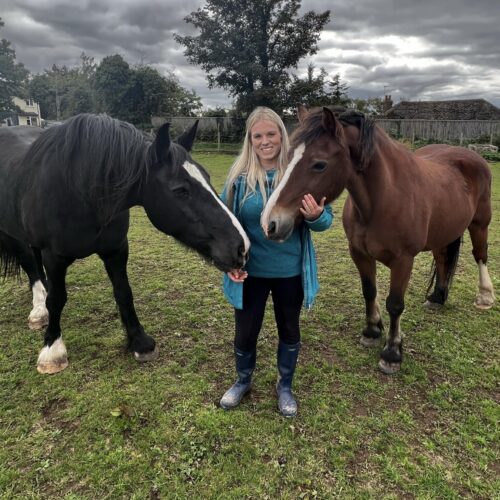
{"x": 65, "y": 194}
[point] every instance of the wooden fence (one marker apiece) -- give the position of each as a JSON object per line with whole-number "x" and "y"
{"x": 232, "y": 129}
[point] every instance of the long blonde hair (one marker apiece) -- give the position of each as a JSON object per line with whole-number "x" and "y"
{"x": 248, "y": 162}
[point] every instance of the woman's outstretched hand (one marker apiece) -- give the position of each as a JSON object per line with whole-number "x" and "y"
{"x": 237, "y": 275}
{"x": 310, "y": 209}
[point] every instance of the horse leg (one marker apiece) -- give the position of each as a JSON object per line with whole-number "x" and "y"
{"x": 485, "y": 297}
{"x": 53, "y": 357}
{"x": 367, "y": 268}
{"x": 143, "y": 346}
{"x": 39, "y": 315}
{"x": 445, "y": 259}
{"x": 392, "y": 354}
{"x": 22, "y": 255}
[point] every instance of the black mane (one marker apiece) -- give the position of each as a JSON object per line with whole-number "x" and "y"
{"x": 312, "y": 129}
{"x": 96, "y": 156}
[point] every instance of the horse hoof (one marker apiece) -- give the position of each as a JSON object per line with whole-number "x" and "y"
{"x": 369, "y": 341}
{"x": 38, "y": 323}
{"x": 483, "y": 307}
{"x": 432, "y": 306}
{"x": 143, "y": 357}
{"x": 53, "y": 367}
{"x": 388, "y": 368}
{"x": 53, "y": 359}
{"x": 484, "y": 302}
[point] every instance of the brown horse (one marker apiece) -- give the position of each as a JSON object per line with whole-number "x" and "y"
{"x": 400, "y": 203}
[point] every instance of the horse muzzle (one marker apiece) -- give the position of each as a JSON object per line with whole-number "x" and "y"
{"x": 279, "y": 227}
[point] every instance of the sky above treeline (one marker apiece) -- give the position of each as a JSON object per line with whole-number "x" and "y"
{"x": 411, "y": 50}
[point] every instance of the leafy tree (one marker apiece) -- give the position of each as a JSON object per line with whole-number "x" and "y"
{"x": 112, "y": 82}
{"x": 63, "y": 92}
{"x": 316, "y": 90}
{"x": 12, "y": 75}
{"x": 370, "y": 106}
{"x": 248, "y": 46}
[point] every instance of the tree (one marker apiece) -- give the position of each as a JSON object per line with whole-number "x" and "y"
{"x": 12, "y": 75}
{"x": 62, "y": 92}
{"x": 248, "y": 46}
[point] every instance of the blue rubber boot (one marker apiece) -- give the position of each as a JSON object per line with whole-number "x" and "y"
{"x": 245, "y": 365}
{"x": 287, "y": 361}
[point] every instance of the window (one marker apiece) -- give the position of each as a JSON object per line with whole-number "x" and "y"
{"x": 29, "y": 102}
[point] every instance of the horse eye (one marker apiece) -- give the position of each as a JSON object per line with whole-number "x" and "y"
{"x": 319, "y": 166}
{"x": 181, "y": 192}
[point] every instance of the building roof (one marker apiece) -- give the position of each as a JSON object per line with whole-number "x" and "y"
{"x": 465, "y": 109}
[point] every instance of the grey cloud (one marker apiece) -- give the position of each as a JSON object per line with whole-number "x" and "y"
{"x": 459, "y": 41}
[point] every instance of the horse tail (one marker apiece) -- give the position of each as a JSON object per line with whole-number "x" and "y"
{"x": 451, "y": 261}
{"x": 9, "y": 258}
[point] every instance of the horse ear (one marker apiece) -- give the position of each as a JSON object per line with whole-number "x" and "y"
{"x": 162, "y": 142}
{"x": 329, "y": 121}
{"x": 301, "y": 112}
{"x": 187, "y": 138}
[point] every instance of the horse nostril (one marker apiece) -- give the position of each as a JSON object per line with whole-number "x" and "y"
{"x": 242, "y": 250}
{"x": 271, "y": 228}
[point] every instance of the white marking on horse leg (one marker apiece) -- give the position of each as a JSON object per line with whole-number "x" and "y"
{"x": 485, "y": 297}
{"x": 53, "y": 359}
{"x": 39, "y": 315}
{"x": 195, "y": 173}
{"x": 297, "y": 155}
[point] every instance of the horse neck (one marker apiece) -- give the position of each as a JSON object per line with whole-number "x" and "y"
{"x": 372, "y": 186}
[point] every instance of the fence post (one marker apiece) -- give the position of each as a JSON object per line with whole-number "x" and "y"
{"x": 461, "y": 137}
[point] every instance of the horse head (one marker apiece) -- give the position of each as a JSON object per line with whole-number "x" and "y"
{"x": 325, "y": 152}
{"x": 180, "y": 201}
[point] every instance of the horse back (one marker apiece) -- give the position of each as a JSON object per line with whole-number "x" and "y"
{"x": 470, "y": 164}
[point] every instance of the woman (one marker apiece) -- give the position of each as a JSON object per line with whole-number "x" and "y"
{"x": 286, "y": 270}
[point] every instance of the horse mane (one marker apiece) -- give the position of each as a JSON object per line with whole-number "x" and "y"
{"x": 312, "y": 129}
{"x": 96, "y": 156}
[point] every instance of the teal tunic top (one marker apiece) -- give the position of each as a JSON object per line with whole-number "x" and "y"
{"x": 269, "y": 259}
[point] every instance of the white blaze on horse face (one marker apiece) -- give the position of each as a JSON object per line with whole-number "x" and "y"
{"x": 39, "y": 316}
{"x": 195, "y": 173}
{"x": 297, "y": 155}
{"x": 485, "y": 297}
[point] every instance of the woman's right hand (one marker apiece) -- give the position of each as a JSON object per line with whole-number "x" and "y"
{"x": 237, "y": 275}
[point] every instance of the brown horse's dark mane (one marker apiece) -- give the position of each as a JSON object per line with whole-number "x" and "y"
{"x": 312, "y": 129}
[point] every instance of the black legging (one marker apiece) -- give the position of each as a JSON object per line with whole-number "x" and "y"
{"x": 287, "y": 294}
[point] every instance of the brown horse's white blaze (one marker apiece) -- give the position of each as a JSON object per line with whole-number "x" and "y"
{"x": 39, "y": 315}
{"x": 273, "y": 215}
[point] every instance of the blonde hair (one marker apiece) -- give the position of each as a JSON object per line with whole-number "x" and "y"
{"x": 248, "y": 162}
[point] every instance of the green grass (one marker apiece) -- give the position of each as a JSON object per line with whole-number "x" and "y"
{"x": 108, "y": 427}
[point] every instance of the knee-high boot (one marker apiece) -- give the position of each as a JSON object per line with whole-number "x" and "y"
{"x": 245, "y": 365}
{"x": 287, "y": 361}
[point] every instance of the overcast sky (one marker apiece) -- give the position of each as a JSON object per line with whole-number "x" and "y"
{"x": 411, "y": 49}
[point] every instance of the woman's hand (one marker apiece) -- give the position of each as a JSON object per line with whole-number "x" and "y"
{"x": 237, "y": 275}
{"x": 310, "y": 209}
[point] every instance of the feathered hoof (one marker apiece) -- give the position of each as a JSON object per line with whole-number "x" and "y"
{"x": 369, "y": 341}
{"x": 55, "y": 366}
{"x": 144, "y": 357}
{"x": 388, "y": 368}
{"x": 53, "y": 359}
{"x": 484, "y": 302}
{"x": 38, "y": 322}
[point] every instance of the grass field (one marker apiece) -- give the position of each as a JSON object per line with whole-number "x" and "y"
{"x": 108, "y": 427}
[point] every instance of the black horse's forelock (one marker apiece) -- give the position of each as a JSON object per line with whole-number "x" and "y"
{"x": 97, "y": 156}
{"x": 312, "y": 129}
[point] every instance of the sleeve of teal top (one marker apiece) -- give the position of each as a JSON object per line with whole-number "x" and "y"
{"x": 223, "y": 195}
{"x": 323, "y": 222}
